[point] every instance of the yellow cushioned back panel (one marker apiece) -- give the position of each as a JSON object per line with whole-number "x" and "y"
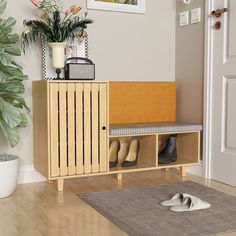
{"x": 142, "y": 102}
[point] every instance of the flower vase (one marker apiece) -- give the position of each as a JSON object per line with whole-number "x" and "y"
{"x": 58, "y": 56}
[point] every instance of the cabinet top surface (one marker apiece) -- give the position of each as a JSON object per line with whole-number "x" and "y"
{"x": 69, "y": 81}
{"x": 103, "y": 81}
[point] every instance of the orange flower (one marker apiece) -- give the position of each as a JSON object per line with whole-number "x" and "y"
{"x": 73, "y": 10}
{"x": 76, "y": 10}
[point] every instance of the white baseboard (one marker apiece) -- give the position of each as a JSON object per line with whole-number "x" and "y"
{"x": 28, "y": 174}
{"x": 196, "y": 170}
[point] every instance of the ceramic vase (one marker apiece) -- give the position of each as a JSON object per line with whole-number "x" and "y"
{"x": 58, "y": 54}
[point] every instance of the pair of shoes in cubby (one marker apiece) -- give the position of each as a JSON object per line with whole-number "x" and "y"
{"x": 132, "y": 157}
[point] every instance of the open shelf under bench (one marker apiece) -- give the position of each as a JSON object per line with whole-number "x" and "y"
{"x": 152, "y": 138}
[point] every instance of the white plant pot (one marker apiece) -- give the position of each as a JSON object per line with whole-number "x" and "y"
{"x": 58, "y": 54}
{"x": 8, "y": 175}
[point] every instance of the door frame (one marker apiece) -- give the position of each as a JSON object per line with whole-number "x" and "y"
{"x": 208, "y": 70}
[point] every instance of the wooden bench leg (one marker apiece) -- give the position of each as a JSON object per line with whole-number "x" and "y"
{"x": 182, "y": 171}
{"x": 119, "y": 176}
{"x": 60, "y": 184}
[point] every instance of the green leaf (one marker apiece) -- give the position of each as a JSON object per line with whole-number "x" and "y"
{"x": 9, "y": 38}
{"x": 3, "y": 5}
{"x": 12, "y": 87}
{"x": 6, "y": 70}
{"x": 23, "y": 121}
{"x": 17, "y": 78}
{"x": 16, "y": 65}
{"x": 10, "y": 114}
{"x": 10, "y": 134}
{"x": 6, "y": 25}
{"x": 15, "y": 100}
{"x": 12, "y": 50}
{"x": 5, "y": 58}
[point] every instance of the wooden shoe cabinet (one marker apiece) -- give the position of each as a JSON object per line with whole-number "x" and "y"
{"x": 72, "y": 134}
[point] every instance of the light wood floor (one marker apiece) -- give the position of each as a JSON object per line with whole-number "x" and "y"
{"x": 39, "y": 210}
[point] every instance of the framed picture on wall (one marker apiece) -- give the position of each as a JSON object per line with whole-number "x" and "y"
{"x": 75, "y": 49}
{"x": 133, "y": 6}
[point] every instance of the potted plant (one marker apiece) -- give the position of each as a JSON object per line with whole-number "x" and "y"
{"x": 56, "y": 27}
{"x": 13, "y": 108}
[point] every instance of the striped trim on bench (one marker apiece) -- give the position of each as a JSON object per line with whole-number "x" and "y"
{"x": 153, "y": 128}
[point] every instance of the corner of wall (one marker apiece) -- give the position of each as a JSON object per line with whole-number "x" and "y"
{"x": 196, "y": 170}
{"x": 28, "y": 174}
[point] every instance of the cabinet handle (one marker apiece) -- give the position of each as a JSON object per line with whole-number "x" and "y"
{"x": 104, "y": 127}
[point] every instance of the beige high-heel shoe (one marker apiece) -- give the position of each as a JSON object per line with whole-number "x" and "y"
{"x": 132, "y": 157}
{"x": 113, "y": 153}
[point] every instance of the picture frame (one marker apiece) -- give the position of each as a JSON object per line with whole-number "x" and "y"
{"x": 75, "y": 49}
{"x": 122, "y": 7}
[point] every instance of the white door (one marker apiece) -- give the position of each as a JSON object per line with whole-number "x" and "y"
{"x": 223, "y": 129}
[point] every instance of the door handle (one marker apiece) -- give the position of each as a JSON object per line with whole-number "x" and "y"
{"x": 218, "y": 12}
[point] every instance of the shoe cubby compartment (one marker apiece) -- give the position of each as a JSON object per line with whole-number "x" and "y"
{"x": 187, "y": 145}
{"x": 146, "y": 155}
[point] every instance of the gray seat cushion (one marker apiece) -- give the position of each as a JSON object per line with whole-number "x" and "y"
{"x": 153, "y": 128}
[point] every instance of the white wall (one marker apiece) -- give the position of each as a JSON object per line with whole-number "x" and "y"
{"x": 123, "y": 46}
{"x": 190, "y": 65}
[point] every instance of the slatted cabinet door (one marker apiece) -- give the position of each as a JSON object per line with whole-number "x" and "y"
{"x": 78, "y": 128}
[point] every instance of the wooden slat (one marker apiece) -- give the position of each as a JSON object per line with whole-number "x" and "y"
{"x": 54, "y": 130}
{"x": 87, "y": 129}
{"x": 95, "y": 126}
{"x": 63, "y": 129}
{"x": 103, "y": 123}
{"x": 79, "y": 129}
{"x": 71, "y": 128}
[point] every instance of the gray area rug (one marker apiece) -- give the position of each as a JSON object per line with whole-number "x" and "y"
{"x": 137, "y": 210}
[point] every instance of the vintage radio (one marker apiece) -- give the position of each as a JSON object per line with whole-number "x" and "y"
{"x": 79, "y": 68}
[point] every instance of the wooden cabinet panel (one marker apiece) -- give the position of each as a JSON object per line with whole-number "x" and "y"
{"x": 62, "y": 129}
{"x": 103, "y": 127}
{"x": 54, "y": 139}
{"x": 78, "y": 128}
